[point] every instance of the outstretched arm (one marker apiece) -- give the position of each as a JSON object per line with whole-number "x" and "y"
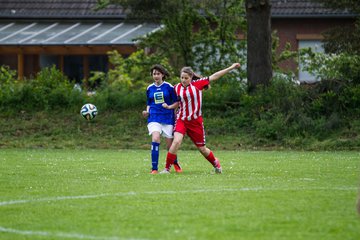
{"x": 219, "y": 74}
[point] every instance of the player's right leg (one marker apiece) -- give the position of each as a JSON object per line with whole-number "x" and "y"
{"x": 177, "y": 166}
{"x": 169, "y": 136}
{"x": 172, "y": 153}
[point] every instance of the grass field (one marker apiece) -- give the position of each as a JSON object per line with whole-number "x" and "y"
{"x": 109, "y": 194}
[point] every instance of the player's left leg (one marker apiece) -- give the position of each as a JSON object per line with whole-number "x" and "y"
{"x": 209, "y": 155}
{"x": 196, "y": 132}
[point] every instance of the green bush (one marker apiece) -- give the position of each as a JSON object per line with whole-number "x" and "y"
{"x": 124, "y": 86}
{"x": 342, "y": 67}
{"x": 52, "y": 89}
{"x": 6, "y": 75}
{"x": 349, "y": 100}
{"x": 8, "y": 87}
{"x": 49, "y": 90}
{"x": 270, "y": 127}
{"x": 112, "y": 99}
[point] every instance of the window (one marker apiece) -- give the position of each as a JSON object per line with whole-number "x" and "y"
{"x": 48, "y": 61}
{"x": 73, "y": 67}
{"x": 316, "y": 46}
{"x": 98, "y": 63}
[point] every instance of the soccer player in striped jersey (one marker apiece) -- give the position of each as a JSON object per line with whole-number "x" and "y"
{"x": 160, "y": 120}
{"x": 189, "y": 116}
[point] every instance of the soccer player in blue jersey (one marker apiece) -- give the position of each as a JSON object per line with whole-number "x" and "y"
{"x": 160, "y": 120}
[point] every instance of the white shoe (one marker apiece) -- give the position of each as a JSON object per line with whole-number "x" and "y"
{"x": 217, "y": 167}
{"x": 165, "y": 171}
{"x": 218, "y": 170}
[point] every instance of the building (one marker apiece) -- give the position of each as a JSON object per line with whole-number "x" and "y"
{"x": 67, "y": 33}
{"x": 73, "y": 36}
{"x": 301, "y": 23}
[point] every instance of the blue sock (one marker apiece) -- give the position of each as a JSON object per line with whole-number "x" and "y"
{"x": 155, "y": 155}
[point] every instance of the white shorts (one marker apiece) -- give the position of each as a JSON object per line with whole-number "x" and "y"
{"x": 165, "y": 130}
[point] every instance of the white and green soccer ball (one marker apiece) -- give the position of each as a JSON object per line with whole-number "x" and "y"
{"x": 88, "y": 111}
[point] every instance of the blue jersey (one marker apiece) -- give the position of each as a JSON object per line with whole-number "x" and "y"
{"x": 156, "y": 96}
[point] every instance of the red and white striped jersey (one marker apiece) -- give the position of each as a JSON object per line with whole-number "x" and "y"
{"x": 190, "y": 98}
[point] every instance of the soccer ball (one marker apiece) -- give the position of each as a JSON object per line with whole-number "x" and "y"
{"x": 88, "y": 111}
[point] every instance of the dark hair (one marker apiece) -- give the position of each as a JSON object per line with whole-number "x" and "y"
{"x": 189, "y": 71}
{"x": 161, "y": 69}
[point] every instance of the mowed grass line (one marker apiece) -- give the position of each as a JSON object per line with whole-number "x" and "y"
{"x": 108, "y": 194}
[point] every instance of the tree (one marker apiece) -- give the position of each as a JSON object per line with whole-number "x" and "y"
{"x": 201, "y": 34}
{"x": 343, "y": 38}
{"x": 351, "y": 5}
{"x": 175, "y": 39}
{"x": 259, "y": 55}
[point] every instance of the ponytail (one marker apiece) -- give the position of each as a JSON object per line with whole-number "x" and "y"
{"x": 188, "y": 70}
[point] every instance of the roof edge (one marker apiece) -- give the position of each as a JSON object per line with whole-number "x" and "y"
{"x": 120, "y": 17}
{"x": 315, "y": 16}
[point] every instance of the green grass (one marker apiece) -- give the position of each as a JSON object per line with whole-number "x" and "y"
{"x": 109, "y": 194}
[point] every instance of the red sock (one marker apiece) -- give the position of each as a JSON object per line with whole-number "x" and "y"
{"x": 170, "y": 159}
{"x": 211, "y": 158}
